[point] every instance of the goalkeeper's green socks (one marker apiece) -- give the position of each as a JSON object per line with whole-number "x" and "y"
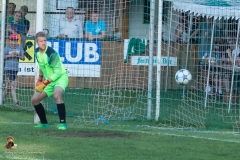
{"x": 61, "y": 112}
{"x": 41, "y": 113}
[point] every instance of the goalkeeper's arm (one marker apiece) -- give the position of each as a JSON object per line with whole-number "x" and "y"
{"x": 40, "y": 78}
{"x": 40, "y": 85}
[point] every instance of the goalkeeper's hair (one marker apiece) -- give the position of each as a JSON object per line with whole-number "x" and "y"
{"x": 40, "y": 34}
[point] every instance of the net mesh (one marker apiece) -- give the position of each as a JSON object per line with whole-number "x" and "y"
{"x": 110, "y": 77}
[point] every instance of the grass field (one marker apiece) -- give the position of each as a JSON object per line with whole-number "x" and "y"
{"x": 86, "y": 141}
{"x": 120, "y": 105}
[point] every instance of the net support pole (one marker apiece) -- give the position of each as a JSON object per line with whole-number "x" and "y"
{"x": 188, "y": 38}
{"x": 209, "y": 61}
{"x": 233, "y": 70}
{"x": 159, "y": 57}
{"x": 4, "y": 6}
{"x": 188, "y": 42}
{"x": 150, "y": 66}
{"x": 39, "y": 15}
{"x": 39, "y": 27}
{"x": 168, "y": 49}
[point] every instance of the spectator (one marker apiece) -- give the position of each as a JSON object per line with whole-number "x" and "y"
{"x": 12, "y": 53}
{"x": 205, "y": 32}
{"x": 233, "y": 51}
{"x": 16, "y": 26}
{"x": 181, "y": 34}
{"x": 95, "y": 28}
{"x": 234, "y": 55}
{"x": 24, "y": 11}
{"x": 195, "y": 25}
{"x": 221, "y": 74}
{"x": 70, "y": 26}
{"x": 217, "y": 75}
{"x": 11, "y": 11}
{"x": 10, "y": 14}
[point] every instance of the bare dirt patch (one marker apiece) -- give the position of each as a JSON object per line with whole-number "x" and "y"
{"x": 90, "y": 134}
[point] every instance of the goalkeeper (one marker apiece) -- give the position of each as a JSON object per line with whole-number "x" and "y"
{"x": 55, "y": 83}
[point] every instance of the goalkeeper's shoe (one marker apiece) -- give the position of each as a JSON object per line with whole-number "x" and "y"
{"x": 62, "y": 126}
{"x": 41, "y": 125}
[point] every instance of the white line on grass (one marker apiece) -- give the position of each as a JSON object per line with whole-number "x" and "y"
{"x": 16, "y": 123}
{"x": 159, "y": 133}
{"x": 180, "y": 135}
{"x": 190, "y": 130}
{"x": 185, "y": 136}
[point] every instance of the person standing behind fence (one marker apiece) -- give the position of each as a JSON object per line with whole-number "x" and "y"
{"x": 95, "y": 28}
{"x": 205, "y": 30}
{"x": 24, "y": 11}
{"x": 12, "y": 53}
{"x": 11, "y": 11}
{"x": 70, "y": 26}
{"x": 234, "y": 55}
{"x": 181, "y": 34}
{"x": 17, "y": 27}
{"x": 10, "y": 14}
{"x": 221, "y": 75}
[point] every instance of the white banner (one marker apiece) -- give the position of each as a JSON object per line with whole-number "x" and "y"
{"x": 74, "y": 70}
{"x": 26, "y": 69}
{"x": 144, "y": 61}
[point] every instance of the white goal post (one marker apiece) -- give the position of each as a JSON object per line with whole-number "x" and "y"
{"x": 39, "y": 27}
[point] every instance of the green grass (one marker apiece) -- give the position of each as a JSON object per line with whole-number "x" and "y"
{"x": 121, "y": 105}
{"x": 84, "y": 140}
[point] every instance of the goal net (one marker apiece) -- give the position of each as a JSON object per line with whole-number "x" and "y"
{"x": 205, "y": 37}
{"x": 123, "y": 71}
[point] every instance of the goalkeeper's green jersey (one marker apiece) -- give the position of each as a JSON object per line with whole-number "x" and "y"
{"x": 50, "y": 63}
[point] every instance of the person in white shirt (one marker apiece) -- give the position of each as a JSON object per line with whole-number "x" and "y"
{"x": 234, "y": 54}
{"x": 234, "y": 51}
{"x": 70, "y": 26}
{"x": 181, "y": 35}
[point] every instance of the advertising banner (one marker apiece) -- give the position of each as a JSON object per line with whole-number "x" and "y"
{"x": 81, "y": 58}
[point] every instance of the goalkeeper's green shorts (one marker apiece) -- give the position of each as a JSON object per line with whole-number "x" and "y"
{"x": 61, "y": 82}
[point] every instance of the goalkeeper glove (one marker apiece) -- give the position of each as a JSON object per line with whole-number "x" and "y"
{"x": 41, "y": 85}
{"x": 40, "y": 78}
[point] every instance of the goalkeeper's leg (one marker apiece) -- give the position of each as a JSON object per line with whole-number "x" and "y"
{"x": 36, "y": 101}
{"x": 61, "y": 85}
{"x": 58, "y": 91}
